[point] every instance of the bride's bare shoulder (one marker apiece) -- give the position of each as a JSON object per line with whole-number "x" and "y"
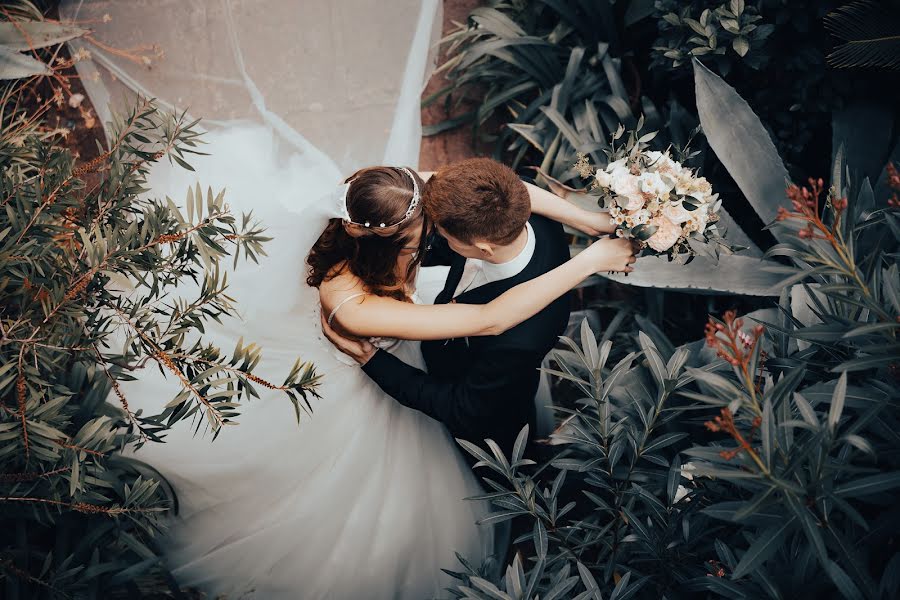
{"x": 338, "y": 287}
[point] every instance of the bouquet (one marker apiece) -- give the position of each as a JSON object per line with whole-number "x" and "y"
{"x": 654, "y": 199}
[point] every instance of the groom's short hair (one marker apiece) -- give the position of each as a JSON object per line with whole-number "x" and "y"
{"x": 478, "y": 199}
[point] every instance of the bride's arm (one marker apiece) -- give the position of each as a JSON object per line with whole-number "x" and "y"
{"x": 376, "y": 316}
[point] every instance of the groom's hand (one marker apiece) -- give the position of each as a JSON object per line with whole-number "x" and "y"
{"x": 359, "y": 350}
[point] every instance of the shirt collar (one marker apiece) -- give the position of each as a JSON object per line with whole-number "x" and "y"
{"x": 496, "y": 272}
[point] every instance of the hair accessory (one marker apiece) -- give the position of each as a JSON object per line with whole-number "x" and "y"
{"x": 340, "y": 195}
{"x": 344, "y": 213}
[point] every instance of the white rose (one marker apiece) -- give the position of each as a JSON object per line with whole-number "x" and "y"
{"x": 603, "y": 178}
{"x": 676, "y": 212}
{"x": 628, "y": 189}
{"x": 684, "y": 184}
{"x": 615, "y": 165}
{"x": 653, "y": 184}
{"x": 666, "y": 235}
{"x": 699, "y": 218}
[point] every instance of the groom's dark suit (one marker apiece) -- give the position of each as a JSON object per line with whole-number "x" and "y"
{"x": 482, "y": 387}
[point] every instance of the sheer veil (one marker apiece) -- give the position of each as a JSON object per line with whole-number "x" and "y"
{"x": 338, "y": 82}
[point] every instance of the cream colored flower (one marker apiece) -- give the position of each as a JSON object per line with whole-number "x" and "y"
{"x": 628, "y": 189}
{"x": 684, "y": 184}
{"x": 616, "y": 165}
{"x": 653, "y": 184}
{"x": 699, "y": 218}
{"x": 75, "y": 100}
{"x": 641, "y": 216}
{"x": 676, "y": 212}
{"x": 603, "y": 178}
{"x": 666, "y": 235}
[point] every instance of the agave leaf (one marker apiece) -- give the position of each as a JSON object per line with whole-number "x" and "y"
{"x": 14, "y": 65}
{"x": 735, "y": 235}
{"x": 28, "y": 35}
{"x": 731, "y": 274}
{"x": 738, "y": 138}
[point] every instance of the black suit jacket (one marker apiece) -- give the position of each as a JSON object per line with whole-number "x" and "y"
{"x": 483, "y": 387}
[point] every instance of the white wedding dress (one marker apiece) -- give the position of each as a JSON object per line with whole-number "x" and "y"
{"x": 364, "y": 498}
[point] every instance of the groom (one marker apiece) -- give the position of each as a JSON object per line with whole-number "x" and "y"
{"x": 479, "y": 387}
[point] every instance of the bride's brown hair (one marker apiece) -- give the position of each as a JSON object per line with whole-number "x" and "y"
{"x": 376, "y": 195}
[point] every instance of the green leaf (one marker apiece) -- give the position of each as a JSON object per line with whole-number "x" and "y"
{"x": 657, "y": 366}
{"x": 664, "y": 440}
{"x": 766, "y": 545}
{"x": 810, "y": 527}
{"x": 843, "y": 582}
{"x": 541, "y": 541}
{"x": 837, "y": 402}
{"x": 741, "y": 45}
{"x": 519, "y": 446}
{"x": 866, "y": 486}
{"x": 767, "y": 432}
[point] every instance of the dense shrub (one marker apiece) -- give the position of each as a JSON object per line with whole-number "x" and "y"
{"x": 88, "y": 267}
{"x": 758, "y": 462}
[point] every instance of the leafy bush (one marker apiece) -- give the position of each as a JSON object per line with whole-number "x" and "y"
{"x": 554, "y": 68}
{"x": 721, "y": 32}
{"x": 786, "y": 490}
{"x": 88, "y": 271}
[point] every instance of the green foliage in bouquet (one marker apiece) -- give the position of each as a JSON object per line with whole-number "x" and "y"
{"x": 89, "y": 270}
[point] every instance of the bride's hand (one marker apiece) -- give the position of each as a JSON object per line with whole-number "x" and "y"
{"x": 611, "y": 254}
{"x": 359, "y": 350}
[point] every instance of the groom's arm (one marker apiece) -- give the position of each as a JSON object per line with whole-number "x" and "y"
{"x": 498, "y": 381}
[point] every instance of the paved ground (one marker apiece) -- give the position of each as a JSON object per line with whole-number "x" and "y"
{"x": 450, "y": 145}
{"x": 435, "y": 150}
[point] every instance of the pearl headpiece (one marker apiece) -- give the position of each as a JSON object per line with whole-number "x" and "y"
{"x": 344, "y": 214}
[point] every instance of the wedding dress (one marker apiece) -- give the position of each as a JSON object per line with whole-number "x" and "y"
{"x": 364, "y": 498}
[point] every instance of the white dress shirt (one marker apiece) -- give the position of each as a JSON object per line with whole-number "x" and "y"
{"x": 478, "y": 272}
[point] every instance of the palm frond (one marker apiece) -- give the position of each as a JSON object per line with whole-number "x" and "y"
{"x": 871, "y": 35}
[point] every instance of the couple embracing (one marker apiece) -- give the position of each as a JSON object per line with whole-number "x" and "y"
{"x": 438, "y": 296}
